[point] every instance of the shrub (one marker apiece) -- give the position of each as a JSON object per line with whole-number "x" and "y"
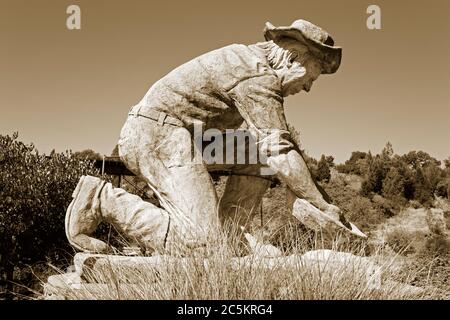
{"x": 357, "y": 164}
{"x": 393, "y": 184}
{"x": 323, "y": 170}
{"x": 415, "y": 175}
{"x": 357, "y": 209}
{"x": 400, "y": 241}
{"x": 415, "y": 204}
{"x": 87, "y": 154}
{"x": 419, "y": 159}
{"x": 436, "y": 245}
{"x": 443, "y": 188}
{"x": 35, "y": 191}
{"x": 422, "y": 190}
{"x": 376, "y": 174}
{"x": 387, "y": 206}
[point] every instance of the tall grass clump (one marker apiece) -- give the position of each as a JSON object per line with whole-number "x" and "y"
{"x": 216, "y": 273}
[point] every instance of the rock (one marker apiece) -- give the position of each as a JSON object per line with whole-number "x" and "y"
{"x": 260, "y": 249}
{"x": 404, "y": 289}
{"x": 86, "y": 263}
{"x": 58, "y": 284}
{"x": 65, "y": 279}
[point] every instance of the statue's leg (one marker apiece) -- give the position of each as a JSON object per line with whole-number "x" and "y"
{"x": 241, "y": 199}
{"x": 165, "y": 157}
{"x": 246, "y": 185}
{"x": 237, "y": 207}
{"x": 95, "y": 200}
{"x": 83, "y": 216}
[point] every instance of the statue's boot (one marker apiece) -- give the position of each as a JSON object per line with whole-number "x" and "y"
{"x": 83, "y": 216}
{"x": 152, "y": 227}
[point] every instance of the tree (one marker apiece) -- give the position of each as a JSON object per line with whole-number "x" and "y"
{"x": 394, "y": 185}
{"x": 35, "y": 191}
{"x": 447, "y": 163}
{"x": 87, "y": 154}
{"x": 422, "y": 189}
{"x": 443, "y": 188}
{"x": 408, "y": 179}
{"x": 433, "y": 174}
{"x": 374, "y": 179}
{"x": 419, "y": 159}
{"x": 330, "y": 161}
{"x": 323, "y": 170}
{"x": 388, "y": 151}
{"x": 357, "y": 164}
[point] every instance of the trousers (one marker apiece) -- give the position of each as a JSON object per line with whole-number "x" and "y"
{"x": 164, "y": 156}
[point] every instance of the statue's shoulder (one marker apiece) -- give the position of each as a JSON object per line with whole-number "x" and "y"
{"x": 239, "y": 58}
{"x": 234, "y": 50}
{"x": 223, "y": 68}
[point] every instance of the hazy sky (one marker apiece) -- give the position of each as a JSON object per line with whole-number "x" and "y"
{"x": 72, "y": 89}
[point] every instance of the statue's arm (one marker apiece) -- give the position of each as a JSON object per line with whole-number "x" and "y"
{"x": 261, "y": 105}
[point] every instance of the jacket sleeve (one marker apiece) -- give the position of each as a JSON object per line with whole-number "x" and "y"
{"x": 260, "y": 103}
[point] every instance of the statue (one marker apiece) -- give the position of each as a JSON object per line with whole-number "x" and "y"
{"x": 238, "y": 86}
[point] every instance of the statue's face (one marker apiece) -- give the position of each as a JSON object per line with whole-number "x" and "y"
{"x": 301, "y": 71}
{"x": 300, "y": 76}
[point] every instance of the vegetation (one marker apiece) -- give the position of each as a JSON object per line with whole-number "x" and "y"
{"x": 220, "y": 278}
{"x": 412, "y": 176}
{"x": 35, "y": 190}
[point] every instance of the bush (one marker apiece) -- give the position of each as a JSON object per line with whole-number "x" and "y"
{"x": 436, "y": 245}
{"x": 358, "y": 209}
{"x": 393, "y": 185}
{"x": 443, "y": 188}
{"x": 400, "y": 241}
{"x": 323, "y": 170}
{"x": 35, "y": 191}
{"x": 387, "y": 206}
{"x": 357, "y": 164}
{"x": 423, "y": 191}
{"x": 415, "y": 175}
{"x": 374, "y": 179}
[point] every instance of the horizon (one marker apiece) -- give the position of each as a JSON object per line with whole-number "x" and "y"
{"x": 304, "y": 150}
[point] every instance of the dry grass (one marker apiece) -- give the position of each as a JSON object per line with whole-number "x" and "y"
{"x": 192, "y": 278}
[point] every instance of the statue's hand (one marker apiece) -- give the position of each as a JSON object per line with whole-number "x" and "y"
{"x": 337, "y": 213}
{"x": 333, "y": 211}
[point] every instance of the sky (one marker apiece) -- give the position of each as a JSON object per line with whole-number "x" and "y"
{"x": 72, "y": 89}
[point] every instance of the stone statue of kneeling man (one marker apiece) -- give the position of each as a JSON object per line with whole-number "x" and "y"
{"x": 238, "y": 86}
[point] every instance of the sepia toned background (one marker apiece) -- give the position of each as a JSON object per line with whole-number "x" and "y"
{"x": 72, "y": 89}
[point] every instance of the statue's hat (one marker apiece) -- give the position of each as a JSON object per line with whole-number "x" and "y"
{"x": 314, "y": 37}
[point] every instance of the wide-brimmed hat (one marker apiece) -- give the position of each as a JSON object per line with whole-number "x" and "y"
{"x": 314, "y": 37}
